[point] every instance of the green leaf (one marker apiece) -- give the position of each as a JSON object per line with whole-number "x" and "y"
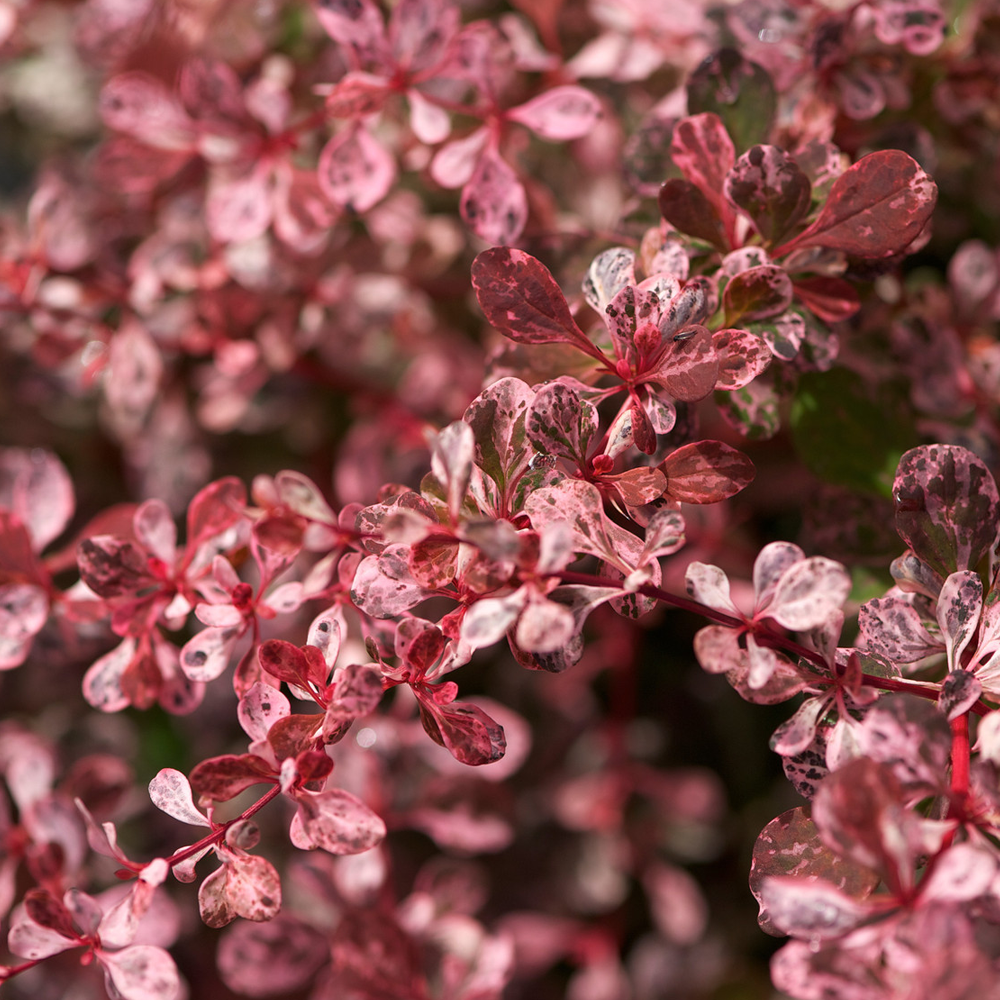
{"x": 740, "y": 92}
{"x": 844, "y": 436}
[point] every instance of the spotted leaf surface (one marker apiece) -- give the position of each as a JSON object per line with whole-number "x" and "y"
{"x": 876, "y": 208}
{"x": 768, "y": 185}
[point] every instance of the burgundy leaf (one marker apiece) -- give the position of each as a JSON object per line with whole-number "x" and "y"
{"x": 465, "y": 730}
{"x": 756, "y": 293}
{"x": 295, "y": 734}
{"x": 706, "y": 472}
{"x": 289, "y": 663}
{"x": 875, "y": 209}
{"x": 688, "y": 210}
{"x": 831, "y": 299}
{"x": 223, "y": 778}
{"x": 768, "y": 185}
{"x": 522, "y": 300}
{"x": 494, "y": 204}
{"x": 947, "y": 506}
{"x": 111, "y": 566}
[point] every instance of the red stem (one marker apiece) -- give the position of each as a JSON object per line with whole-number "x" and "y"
{"x": 219, "y": 834}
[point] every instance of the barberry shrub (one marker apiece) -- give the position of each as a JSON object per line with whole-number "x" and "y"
{"x": 405, "y": 407}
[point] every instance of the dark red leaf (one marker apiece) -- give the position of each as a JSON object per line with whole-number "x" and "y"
{"x": 522, "y": 300}
{"x": 294, "y": 734}
{"x": 831, "y": 299}
{"x": 466, "y": 731}
{"x": 688, "y": 210}
{"x": 111, "y": 567}
{"x": 875, "y": 209}
{"x": 223, "y": 778}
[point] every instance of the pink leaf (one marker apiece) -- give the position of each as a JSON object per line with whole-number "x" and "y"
{"x": 609, "y": 272}
{"x": 335, "y": 821}
{"x": 809, "y": 593}
{"x": 357, "y": 94}
{"x": 238, "y": 206}
{"x": 355, "y": 170}
{"x": 522, "y": 300}
{"x": 892, "y": 628}
{"x": 813, "y": 910}
{"x": 356, "y": 24}
{"x": 493, "y": 202}
{"x": 141, "y": 972}
{"x": 246, "y": 887}
{"x": 875, "y": 209}
{"x": 706, "y": 472}
{"x": 383, "y": 586}
{"x": 419, "y": 32}
{"x": 742, "y": 357}
{"x": 703, "y": 151}
{"x": 566, "y": 112}
{"x": 260, "y": 708}
{"x": 214, "y": 509}
{"x": 455, "y": 162}
{"x": 498, "y": 418}
{"x": 452, "y": 452}
{"x": 142, "y": 107}
{"x": 562, "y": 424}
{"x": 206, "y": 655}
{"x": 271, "y": 959}
{"x": 35, "y": 486}
{"x": 102, "y": 683}
{"x": 959, "y": 605}
{"x": 24, "y": 609}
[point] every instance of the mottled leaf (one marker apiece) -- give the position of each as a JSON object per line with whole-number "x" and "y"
{"x": 876, "y": 208}
{"x": 354, "y": 170}
{"x": 756, "y": 293}
{"x": 493, "y": 203}
{"x": 562, "y": 113}
{"x": 706, "y": 472}
{"x": 688, "y": 210}
{"x": 522, "y": 300}
{"x": 768, "y": 185}
{"x": 465, "y": 730}
{"x": 946, "y": 506}
{"x": 560, "y": 423}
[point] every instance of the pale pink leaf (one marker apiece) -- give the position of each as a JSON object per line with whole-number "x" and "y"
{"x": 809, "y": 593}
{"x": 141, "y": 106}
{"x": 770, "y": 565}
{"x": 810, "y": 909}
{"x": 455, "y": 162}
{"x": 35, "y": 486}
{"x": 566, "y": 112}
{"x": 238, "y": 207}
{"x": 959, "y": 605}
{"x": 452, "y": 452}
{"x": 271, "y": 959}
{"x": 709, "y": 585}
{"x": 493, "y": 203}
{"x": 154, "y": 527}
{"x": 609, "y": 272}
{"x": 206, "y": 655}
{"x": 260, "y": 708}
{"x": 24, "y": 609}
{"x": 960, "y": 874}
{"x": 102, "y": 682}
{"x": 170, "y": 792}
{"x": 141, "y": 972}
{"x": 431, "y": 124}
{"x": 335, "y": 821}
{"x": 30, "y": 940}
{"x": 355, "y": 170}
